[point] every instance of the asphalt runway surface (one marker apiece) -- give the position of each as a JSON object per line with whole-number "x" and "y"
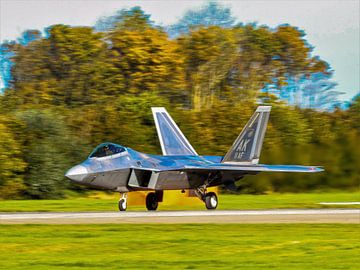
{"x": 214, "y": 216}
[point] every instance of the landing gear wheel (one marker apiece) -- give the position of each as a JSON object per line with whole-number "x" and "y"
{"x": 122, "y": 205}
{"x": 211, "y": 200}
{"x": 123, "y": 202}
{"x": 151, "y": 201}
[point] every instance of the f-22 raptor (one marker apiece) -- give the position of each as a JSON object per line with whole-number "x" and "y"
{"x": 121, "y": 169}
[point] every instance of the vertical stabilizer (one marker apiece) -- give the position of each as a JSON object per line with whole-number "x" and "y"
{"x": 247, "y": 147}
{"x": 172, "y": 140}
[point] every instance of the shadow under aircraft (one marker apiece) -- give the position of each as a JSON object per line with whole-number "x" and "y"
{"x": 121, "y": 169}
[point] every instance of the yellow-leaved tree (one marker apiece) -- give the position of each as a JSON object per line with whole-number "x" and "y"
{"x": 12, "y": 165}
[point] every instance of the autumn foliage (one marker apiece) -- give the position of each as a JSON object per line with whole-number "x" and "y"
{"x": 77, "y": 87}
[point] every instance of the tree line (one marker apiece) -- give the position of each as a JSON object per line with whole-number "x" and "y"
{"x": 76, "y": 87}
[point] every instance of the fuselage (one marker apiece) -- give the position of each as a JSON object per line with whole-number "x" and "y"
{"x": 132, "y": 170}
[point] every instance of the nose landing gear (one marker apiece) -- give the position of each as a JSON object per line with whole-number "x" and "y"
{"x": 123, "y": 202}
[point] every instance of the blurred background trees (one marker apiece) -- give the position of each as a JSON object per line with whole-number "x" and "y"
{"x": 76, "y": 87}
{"x": 212, "y": 14}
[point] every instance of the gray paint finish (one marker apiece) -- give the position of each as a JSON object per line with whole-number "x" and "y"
{"x": 114, "y": 167}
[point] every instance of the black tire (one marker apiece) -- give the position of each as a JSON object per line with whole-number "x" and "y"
{"x": 211, "y": 201}
{"x": 151, "y": 201}
{"x": 122, "y": 205}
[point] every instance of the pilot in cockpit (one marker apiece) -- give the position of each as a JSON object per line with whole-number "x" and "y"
{"x": 107, "y": 150}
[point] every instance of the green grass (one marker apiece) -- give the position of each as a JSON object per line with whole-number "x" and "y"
{"x": 276, "y": 200}
{"x": 174, "y": 246}
{"x": 289, "y": 200}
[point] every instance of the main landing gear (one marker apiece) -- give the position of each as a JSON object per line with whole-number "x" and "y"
{"x": 209, "y": 198}
{"x": 123, "y": 202}
{"x": 153, "y": 199}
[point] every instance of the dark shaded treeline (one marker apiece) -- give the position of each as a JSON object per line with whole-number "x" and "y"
{"x": 77, "y": 88}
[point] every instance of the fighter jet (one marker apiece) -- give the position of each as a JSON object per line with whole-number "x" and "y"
{"x": 121, "y": 169}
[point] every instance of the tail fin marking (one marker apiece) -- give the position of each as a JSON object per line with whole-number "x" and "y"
{"x": 247, "y": 146}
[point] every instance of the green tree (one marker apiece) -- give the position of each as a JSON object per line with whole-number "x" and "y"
{"x": 148, "y": 60}
{"x": 354, "y": 113}
{"x": 69, "y": 67}
{"x": 210, "y": 14}
{"x": 12, "y": 164}
{"x": 235, "y": 64}
{"x": 133, "y": 18}
{"x": 49, "y": 150}
{"x": 210, "y": 55}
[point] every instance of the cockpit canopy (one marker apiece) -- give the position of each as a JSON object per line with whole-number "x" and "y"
{"x": 106, "y": 149}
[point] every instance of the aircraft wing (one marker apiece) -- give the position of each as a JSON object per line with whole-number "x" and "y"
{"x": 248, "y": 168}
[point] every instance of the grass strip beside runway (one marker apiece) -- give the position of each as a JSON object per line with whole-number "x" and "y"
{"x": 226, "y": 202}
{"x": 180, "y": 246}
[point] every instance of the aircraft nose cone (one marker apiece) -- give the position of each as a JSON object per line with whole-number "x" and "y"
{"x": 77, "y": 173}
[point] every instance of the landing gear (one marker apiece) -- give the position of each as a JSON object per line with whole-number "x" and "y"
{"x": 211, "y": 201}
{"x": 210, "y": 198}
{"x": 123, "y": 202}
{"x": 152, "y": 201}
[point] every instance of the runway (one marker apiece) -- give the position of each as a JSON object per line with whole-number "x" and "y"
{"x": 217, "y": 216}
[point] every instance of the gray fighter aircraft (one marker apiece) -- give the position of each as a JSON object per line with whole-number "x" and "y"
{"x": 121, "y": 169}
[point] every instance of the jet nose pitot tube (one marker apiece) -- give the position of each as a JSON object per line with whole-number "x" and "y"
{"x": 77, "y": 173}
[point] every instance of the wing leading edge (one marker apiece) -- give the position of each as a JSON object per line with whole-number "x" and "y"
{"x": 247, "y": 168}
